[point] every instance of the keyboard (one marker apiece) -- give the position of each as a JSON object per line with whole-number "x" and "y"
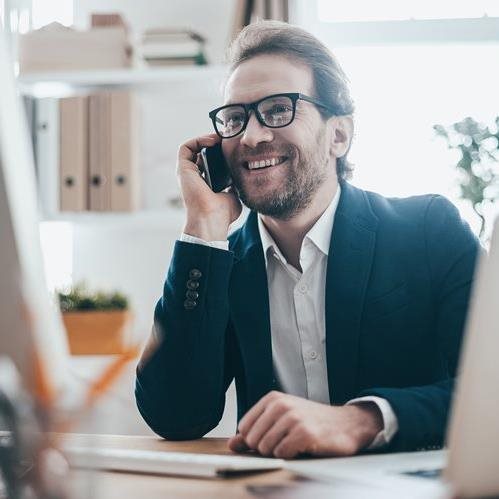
{"x": 431, "y": 473}
{"x": 168, "y": 463}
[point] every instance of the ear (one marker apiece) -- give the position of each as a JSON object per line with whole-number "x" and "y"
{"x": 341, "y": 133}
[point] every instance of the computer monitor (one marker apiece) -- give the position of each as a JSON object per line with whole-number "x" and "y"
{"x": 473, "y": 435}
{"x": 31, "y": 329}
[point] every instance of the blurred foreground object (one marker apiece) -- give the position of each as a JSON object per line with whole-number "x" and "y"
{"x": 29, "y": 466}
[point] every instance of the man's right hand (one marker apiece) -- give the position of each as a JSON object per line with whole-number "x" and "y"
{"x": 209, "y": 214}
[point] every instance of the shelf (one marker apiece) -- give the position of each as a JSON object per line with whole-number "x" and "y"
{"x": 146, "y": 219}
{"x": 67, "y": 83}
{"x": 163, "y": 219}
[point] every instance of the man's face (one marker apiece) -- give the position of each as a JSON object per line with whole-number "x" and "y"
{"x": 300, "y": 150}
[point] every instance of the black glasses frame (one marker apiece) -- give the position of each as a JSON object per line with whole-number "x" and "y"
{"x": 253, "y": 106}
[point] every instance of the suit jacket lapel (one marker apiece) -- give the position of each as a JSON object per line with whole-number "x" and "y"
{"x": 349, "y": 264}
{"x": 249, "y": 304}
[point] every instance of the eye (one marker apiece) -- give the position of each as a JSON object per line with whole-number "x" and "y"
{"x": 279, "y": 109}
{"x": 235, "y": 118}
{"x": 232, "y": 117}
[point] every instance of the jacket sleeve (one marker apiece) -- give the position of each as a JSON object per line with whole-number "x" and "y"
{"x": 422, "y": 411}
{"x": 180, "y": 387}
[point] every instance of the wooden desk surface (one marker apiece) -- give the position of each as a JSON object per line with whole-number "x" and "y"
{"x": 119, "y": 485}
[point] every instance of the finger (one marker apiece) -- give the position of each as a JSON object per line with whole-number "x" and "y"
{"x": 237, "y": 443}
{"x": 250, "y": 417}
{"x": 272, "y": 415}
{"x": 276, "y": 433}
{"x": 189, "y": 150}
{"x": 254, "y": 413}
{"x": 189, "y": 157}
{"x": 290, "y": 446}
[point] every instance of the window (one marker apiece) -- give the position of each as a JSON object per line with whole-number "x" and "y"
{"x": 404, "y": 83}
{"x": 395, "y": 10}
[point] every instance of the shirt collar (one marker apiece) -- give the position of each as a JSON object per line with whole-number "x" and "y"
{"x": 319, "y": 234}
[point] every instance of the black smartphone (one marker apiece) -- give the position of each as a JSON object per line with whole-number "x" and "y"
{"x": 215, "y": 169}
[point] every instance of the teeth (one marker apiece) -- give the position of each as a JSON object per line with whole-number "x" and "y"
{"x": 253, "y": 165}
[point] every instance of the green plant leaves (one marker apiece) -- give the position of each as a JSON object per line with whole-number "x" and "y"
{"x": 80, "y": 298}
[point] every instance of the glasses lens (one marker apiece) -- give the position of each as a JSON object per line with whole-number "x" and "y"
{"x": 276, "y": 111}
{"x": 230, "y": 120}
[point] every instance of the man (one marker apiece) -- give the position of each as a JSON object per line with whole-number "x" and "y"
{"x": 338, "y": 312}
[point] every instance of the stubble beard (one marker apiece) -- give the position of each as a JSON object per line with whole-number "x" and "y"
{"x": 306, "y": 173}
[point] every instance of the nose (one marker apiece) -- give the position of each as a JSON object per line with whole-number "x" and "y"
{"x": 255, "y": 133}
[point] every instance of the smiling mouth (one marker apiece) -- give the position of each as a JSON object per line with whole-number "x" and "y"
{"x": 264, "y": 163}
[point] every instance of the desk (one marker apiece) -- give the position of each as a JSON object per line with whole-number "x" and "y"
{"x": 274, "y": 484}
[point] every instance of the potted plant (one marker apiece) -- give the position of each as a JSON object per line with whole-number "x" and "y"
{"x": 478, "y": 146}
{"x": 97, "y": 323}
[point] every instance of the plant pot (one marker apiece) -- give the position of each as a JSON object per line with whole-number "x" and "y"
{"x": 97, "y": 332}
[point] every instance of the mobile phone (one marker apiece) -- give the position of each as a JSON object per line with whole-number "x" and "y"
{"x": 215, "y": 170}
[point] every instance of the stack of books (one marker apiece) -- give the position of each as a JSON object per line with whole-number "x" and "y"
{"x": 169, "y": 47}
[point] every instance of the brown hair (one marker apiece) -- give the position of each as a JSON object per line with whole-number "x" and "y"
{"x": 330, "y": 82}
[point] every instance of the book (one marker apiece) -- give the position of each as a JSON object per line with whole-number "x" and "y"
{"x": 124, "y": 178}
{"x": 113, "y": 152}
{"x": 172, "y": 46}
{"x": 98, "y": 188}
{"x": 176, "y": 61}
{"x": 73, "y": 153}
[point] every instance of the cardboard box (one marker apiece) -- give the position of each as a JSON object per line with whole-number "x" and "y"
{"x": 58, "y": 48}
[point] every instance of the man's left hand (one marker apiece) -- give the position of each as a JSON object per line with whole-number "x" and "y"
{"x": 284, "y": 426}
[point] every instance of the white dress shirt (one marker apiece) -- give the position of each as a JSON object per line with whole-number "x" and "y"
{"x": 297, "y": 316}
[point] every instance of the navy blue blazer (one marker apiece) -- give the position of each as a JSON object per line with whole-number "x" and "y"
{"x": 398, "y": 281}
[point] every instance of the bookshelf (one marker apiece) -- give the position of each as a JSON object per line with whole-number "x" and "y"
{"x": 167, "y": 86}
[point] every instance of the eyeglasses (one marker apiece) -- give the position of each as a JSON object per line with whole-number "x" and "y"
{"x": 274, "y": 111}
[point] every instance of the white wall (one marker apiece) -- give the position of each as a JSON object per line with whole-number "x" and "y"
{"x": 212, "y": 19}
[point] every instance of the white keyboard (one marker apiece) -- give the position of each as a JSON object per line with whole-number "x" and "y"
{"x": 167, "y": 463}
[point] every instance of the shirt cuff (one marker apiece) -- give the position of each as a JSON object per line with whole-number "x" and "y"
{"x": 186, "y": 238}
{"x": 390, "y": 422}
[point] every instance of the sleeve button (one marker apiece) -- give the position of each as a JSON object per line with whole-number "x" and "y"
{"x": 192, "y": 284}
{"x": 195, "y": 274}
{"x": 189, "y": 304}
{"x": 192, "y": 295}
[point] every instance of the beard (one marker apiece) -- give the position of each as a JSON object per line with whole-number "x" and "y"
{"x": 307, "y": 170}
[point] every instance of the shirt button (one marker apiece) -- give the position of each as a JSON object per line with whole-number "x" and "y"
{"x": 313, "y": 354}
{"x": 195, "y": 274}
{"x": 303, "y": 288}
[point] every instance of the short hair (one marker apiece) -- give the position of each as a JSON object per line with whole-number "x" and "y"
{"x": 330, "y": 81}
